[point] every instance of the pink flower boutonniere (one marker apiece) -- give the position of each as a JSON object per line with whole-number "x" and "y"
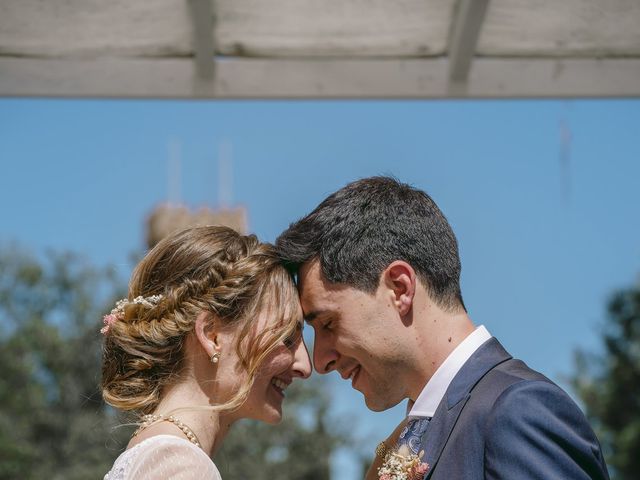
{"x": 403, "y": 465}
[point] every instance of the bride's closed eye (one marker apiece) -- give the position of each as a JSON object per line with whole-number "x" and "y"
{"x": 294, "y": 338}
{"x": 291, "y": 340}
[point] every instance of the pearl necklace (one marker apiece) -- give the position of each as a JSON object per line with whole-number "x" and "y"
{"x": 148, "y": 420}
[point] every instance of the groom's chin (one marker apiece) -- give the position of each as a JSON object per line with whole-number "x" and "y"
{"x": 380, "y": 404}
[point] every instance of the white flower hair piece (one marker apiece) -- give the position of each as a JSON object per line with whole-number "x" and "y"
{"x": 118, "y": 312}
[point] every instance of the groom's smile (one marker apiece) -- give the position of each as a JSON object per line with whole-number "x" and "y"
{"x": 353, "y": 376}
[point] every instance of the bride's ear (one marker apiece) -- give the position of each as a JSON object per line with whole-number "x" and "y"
{"x": 207, "y": 333}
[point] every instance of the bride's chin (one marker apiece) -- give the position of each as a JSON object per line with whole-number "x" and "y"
{"x": 275, "y": 421}
{"x": 272, "y": 417}
{"x": 268, "y": 413}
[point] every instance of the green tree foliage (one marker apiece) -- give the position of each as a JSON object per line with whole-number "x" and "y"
{"x": 53, "y": 422}
{"x": 609, "y": 384}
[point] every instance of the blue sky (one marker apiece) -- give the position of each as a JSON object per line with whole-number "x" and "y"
{"x": 542, "y": 194}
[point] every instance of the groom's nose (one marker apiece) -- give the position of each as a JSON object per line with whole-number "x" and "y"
{"x": 324, "y": 357}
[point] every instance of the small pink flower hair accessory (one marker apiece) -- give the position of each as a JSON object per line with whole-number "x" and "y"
{"x": 118, "y": 312}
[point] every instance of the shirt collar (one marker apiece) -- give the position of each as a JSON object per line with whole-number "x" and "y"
{"x": 433, "y": 392}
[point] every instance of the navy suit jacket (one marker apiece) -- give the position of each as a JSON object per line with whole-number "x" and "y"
{"x": 501, "y": 420}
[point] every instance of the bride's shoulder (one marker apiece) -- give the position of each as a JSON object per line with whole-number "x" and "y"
{"x": 163, "y": 456}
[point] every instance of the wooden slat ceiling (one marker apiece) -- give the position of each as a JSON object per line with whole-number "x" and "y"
{"x": 320, "y": 48}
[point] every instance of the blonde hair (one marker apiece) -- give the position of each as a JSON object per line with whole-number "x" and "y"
{"x": 200, "y": 269}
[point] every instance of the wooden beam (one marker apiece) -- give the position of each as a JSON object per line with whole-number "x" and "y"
{"x": 464, "y": 37}
{"x": 204, "y": 49}
{"x": 271, "y": 78}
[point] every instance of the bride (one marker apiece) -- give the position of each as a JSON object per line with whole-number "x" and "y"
{"x": 210, "y": 333}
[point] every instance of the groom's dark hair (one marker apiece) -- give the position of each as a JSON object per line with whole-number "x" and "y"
{"x": 359, "y": 230}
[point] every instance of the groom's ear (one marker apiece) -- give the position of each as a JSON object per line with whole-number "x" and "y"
{"x": 400, "y": 278}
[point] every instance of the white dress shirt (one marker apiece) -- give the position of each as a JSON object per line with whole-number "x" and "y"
{"x": 436, "y": 387}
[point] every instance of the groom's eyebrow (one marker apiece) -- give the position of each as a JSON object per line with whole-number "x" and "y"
{"x": 311, "y": 316}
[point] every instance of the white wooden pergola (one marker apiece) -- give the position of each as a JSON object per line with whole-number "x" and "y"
{"x": 320, "y": 48}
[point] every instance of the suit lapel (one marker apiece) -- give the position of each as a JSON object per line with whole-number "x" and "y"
{"x": 438, "y": 432}
{"x": 490, "y": 354}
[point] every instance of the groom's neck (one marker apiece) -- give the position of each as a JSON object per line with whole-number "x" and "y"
{"x": 437, "y": 333}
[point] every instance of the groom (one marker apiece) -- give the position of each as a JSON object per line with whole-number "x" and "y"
{"x": 378, "y": 271}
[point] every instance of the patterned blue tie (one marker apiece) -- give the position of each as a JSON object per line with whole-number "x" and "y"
{"x": 412, "y": 434}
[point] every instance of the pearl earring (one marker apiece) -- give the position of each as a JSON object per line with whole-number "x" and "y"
{"x": 215, "y": 357}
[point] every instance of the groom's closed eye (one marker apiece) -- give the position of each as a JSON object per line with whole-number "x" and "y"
{"x": 320, "y": 320}
{"x": 312, "y": 317}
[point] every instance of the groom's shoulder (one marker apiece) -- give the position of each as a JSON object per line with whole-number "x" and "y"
{"x": 509, "y": 385}
{"x": 514, "y": 387}
{"x": 515, "y": 371}
{"x": 514, "y": 379}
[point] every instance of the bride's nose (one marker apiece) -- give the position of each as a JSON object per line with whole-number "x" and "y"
{"x": 301, "y": 363}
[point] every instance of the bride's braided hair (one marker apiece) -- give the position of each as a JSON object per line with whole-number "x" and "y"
{"x": 211, "y": 269}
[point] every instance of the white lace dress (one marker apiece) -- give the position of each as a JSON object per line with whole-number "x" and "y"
{"x": 163, "y": 456}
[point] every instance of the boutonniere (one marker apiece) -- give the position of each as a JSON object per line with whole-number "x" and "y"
{"x": 402, "y": 464}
